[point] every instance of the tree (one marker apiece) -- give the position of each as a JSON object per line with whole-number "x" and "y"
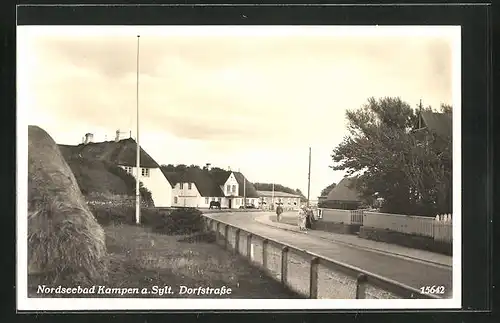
{"x": 392, "y": 160}
{"x": 328, "y": 189}
{"x": 168, "y": 168}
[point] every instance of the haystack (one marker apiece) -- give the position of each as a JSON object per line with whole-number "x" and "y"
{"x": 66, "y": 245}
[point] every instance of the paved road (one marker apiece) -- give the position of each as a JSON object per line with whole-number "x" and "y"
{"x": 411, "y": 273}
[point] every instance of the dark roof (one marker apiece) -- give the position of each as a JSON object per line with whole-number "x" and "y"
{"x": 244, "y": 184}
{"x": 343, "y": 191}
{"x": 440, "y": 123}
{"x": 172, "y": 177}
{"x": 122, "y": 152}
{"x": 201, "y": 178}
{"x": 209, "y": 184}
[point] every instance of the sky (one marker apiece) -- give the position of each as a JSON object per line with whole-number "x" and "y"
{"x": 252, "y": 99}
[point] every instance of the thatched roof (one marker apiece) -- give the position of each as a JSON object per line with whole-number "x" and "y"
{"x": 245, "y": 184}
{"x": 343, "y": 191}
{"x": 209, "y": 184}
{"x": 122, "y": 152}
{"x": 439, "y": 123}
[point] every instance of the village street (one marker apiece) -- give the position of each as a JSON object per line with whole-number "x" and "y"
{"x": 407, "y": 271}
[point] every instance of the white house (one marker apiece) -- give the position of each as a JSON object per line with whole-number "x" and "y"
{"x": 287, "y": 200}
{"x": 198, "y": 187}
{"x": 123, "y": 154}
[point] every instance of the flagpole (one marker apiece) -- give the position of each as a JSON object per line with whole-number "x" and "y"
{"x": 138, "y": 153}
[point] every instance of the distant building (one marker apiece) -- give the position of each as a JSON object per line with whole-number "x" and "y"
{"x": 343, "y": 196}
{"x": 288, "y": 201}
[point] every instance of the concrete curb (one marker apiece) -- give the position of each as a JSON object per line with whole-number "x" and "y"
{"x": 439, "y": 264}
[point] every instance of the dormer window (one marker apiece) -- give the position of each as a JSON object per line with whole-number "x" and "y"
{"x": 181, "y": 186}
{"x": 145, "y": 172}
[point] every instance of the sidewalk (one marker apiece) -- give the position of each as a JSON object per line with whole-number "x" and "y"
{"x": 355, "y": 241}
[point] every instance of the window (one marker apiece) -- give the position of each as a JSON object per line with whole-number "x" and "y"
{"x": 233, "y": 189}
{"x": 128, "y": 169}
{"x": 206, "y": 200}
{"x": 213, "y": 198}
{"x": 228, "y": 189}
{"x": 237, "y": 201}
{"x": 189, "y": 186}
{"x": 175, "y": 200}
{"x": 219, "y": 199}
{"x": 145, "y": 172}
{"x": 181, "y": 186}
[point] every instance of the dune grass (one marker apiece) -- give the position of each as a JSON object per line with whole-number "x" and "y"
{"x": 140, "y": 258}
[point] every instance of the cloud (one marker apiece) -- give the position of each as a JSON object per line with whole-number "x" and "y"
{"x": 227, "y": 96}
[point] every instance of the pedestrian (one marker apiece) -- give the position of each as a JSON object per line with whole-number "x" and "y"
{"x": 279, "y": 211}
{"x": 302, "y": 218}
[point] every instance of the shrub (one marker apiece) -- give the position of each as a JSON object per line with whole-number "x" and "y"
{"x": 180, "y": 221}
{"x": 125, "y": 214}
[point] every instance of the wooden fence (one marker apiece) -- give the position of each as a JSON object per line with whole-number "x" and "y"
{"x": 439, "y": 228}
{"x": 307, "y": 273}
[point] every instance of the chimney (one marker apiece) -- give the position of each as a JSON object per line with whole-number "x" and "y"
{"x": 208, "y": 166}
{"x": 229, "y": 168}
{"x": 117, "y": 137}
{"x": 88, "y": 138}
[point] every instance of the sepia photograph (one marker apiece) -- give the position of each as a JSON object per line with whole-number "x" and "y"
{"x": 238, "y": 167}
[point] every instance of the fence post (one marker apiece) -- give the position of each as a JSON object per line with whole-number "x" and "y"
{"x": 237, "y": 241}
{"x": 265, "y": 242}
{"x": 217, "y": 235}
{"x": 226, "y": 237}
{"x": 313, "y": 278}
{"x": 249, "y": 246}
{"x": 361, "y": 286}
{"x": 284, "y": 264}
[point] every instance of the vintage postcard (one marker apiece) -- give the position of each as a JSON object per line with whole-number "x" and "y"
{"x": 238, "y": 167}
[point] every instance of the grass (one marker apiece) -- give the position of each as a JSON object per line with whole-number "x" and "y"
{"x": 140, "y": 258}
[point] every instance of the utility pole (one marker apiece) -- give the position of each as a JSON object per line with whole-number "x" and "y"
{"x": 137, "y": 192}
{"x": 309, "y": 178}
{"x": 420, "y": 115}
{"x": 244, "y": 192}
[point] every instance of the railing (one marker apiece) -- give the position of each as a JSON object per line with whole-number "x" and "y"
{"x": 327, "y": 278}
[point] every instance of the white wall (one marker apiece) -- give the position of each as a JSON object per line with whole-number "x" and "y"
{"x": 159, "y": 186}
{"x": 186, "y": 197}
{"x": 234, "y": 186}
{"x": 288, "y": 203}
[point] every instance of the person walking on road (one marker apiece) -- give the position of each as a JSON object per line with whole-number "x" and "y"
{"x": 302, "y": 218}
{"x": 279, "y": 211}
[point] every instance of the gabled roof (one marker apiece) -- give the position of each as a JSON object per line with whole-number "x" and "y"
{"x": 122, "y": 152}
{"x": 244, "y": 184}
{"x": 201, "y": 178}
{"x": 439, "y": 123}
{"x": 210, "y": 184}
{"x": 277, "y": 194}
{"x": 343, "y": 191}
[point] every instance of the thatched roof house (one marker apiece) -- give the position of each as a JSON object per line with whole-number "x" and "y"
{"x": 121, "y": 152}
{"x": 438, "y": 123}
{"x": 343, "y": 196}
{"x": 211, "y": 184}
